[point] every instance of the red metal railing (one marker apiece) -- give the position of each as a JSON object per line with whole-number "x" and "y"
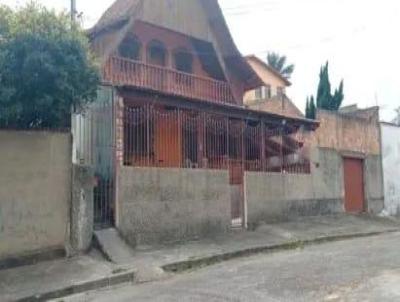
{"x": 122, "y": 71}
{"x": 179, "y": 138}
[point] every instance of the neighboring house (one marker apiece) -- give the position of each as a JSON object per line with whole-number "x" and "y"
{"x": 345, "y": 175}
{"x": 352, "y": 139}
{"x": 345, "y": 150}
{"x": 169, "y": 137}
{"x": 271, "y": 95}
{"x": 391, "y": 167}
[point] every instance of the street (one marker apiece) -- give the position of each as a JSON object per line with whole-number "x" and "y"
{"x": 366, "y": 269}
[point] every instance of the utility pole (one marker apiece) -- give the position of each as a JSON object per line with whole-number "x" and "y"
{"x": 73, "y": 10}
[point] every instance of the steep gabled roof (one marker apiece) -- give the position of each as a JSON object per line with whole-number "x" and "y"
{"x": 119, "y": 12}
{"x": 122, "y": 14}
{"x": 269, "y": 68}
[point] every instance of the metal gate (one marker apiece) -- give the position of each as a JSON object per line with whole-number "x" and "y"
{"x": 236, "y": 170}
{"x": 94, "y": 142}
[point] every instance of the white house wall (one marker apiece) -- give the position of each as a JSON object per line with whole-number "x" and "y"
{"x": 391, "y": 167}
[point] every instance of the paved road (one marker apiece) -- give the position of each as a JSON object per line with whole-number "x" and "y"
{"x": 365, "y": 269}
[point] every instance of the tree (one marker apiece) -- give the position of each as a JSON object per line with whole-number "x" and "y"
{"x": 46, "y": 68}
{"x": 278, "y": 62}
{"x": 307, "y": 108}
{"x": 325, "y": 99}
{"x": 311, "y": 110}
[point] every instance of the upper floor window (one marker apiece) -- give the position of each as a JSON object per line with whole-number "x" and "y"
{"x": 280, "y": 92}
{"x": 130, "y": 48}
{"x": 156, "y": 53}
{"x": 267, "y": 92}
{"x": 183, "y": 61}
{"x": 263, "y": 92}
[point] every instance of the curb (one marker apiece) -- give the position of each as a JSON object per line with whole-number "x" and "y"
{"x": 127, "y": 277}
{"x": 130, "y": 276}
{"x": 33, "y": 258}
{"x": 208, "y": 261}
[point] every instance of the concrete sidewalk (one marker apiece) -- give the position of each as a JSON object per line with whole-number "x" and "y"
{"x": 55, "y": 279}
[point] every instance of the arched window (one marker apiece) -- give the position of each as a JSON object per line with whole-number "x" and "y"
{"x": 156, "y": 53}
{"x": 183, "y": 60}
{"x": 130, "y": 48}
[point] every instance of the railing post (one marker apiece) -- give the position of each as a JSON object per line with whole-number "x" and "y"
{"x": 263, "y": 141}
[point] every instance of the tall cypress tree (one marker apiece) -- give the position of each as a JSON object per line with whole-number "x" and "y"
{"x": 307, "y": 108}
{"x": 312, "y": 109}
{"x": 325, "y": 99}
{"x": 338, "y": 97}
{"x": 324, "y": 88}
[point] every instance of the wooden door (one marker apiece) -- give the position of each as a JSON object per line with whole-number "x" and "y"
{"x": 354, "y": 185}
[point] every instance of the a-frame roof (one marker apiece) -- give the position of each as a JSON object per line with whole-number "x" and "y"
{"x": 122, "y": 14}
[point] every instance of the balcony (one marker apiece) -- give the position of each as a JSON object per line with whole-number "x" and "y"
{"x": 122, "y": 71}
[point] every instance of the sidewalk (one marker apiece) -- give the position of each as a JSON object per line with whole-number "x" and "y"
{"x": 54, "y": 279}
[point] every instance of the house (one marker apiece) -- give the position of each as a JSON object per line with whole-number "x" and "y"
{"x": 352, "y": 139}
{"x": 271, "y": 95}
{"x": 391, "y": 167}
{"x": 345, "y": 155}
{"x": 169, "y": 136}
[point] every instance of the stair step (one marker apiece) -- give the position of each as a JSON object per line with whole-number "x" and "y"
{"x": 113, "y": 246}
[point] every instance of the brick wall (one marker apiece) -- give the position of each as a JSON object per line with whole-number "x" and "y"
{"x": 347, "y": 132}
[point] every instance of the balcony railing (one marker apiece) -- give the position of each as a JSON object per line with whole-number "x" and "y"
{"x": 122, "y": 71}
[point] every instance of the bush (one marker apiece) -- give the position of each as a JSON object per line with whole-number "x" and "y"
{"x": 46, "y": 68}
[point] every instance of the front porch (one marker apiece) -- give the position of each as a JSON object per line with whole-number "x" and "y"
{"x": 153, "y": 134}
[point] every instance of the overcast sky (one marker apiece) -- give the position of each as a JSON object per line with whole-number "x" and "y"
{"x": 360, "y": 38}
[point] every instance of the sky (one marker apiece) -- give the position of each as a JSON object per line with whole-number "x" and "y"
{"x": 359, "y": 38}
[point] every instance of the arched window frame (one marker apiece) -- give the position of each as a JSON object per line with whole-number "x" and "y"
{"x": 160, "y": 45}
{"x": 185, "y": 52}
{"x": 129, "y": 41}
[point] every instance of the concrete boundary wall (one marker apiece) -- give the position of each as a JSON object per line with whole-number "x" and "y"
{"x": 35, "y": 191}
{"x": 157, "y": 205}
{"x": 275, "y": 196}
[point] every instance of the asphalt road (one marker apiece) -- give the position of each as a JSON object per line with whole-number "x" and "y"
{"x": 366, "y": 269}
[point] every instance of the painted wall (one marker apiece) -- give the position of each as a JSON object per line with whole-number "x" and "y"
{"x": 166, "y": 205}
{"x": 276, "y": 105}
{"x": 35, "y": 191}
{"x": 391, "y": 167}
{"x": 267, "y": 77}
{"x": 275, "y": 196}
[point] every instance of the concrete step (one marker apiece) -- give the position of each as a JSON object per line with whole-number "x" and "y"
{"x": 113, "y": 246}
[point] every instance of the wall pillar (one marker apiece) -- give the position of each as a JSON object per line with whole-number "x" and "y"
{"x": 82, "y": 209}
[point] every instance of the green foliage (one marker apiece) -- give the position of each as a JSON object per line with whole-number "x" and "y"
{"x": 311, "y": 110}
{"x": 325, "y": 99}
{"x": 278, "y": 62}
{"x": 45, "y": 68}
{"x": 307, "y": 108}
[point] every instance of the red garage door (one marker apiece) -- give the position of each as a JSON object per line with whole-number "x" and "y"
{"x": 354, "y": 185}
